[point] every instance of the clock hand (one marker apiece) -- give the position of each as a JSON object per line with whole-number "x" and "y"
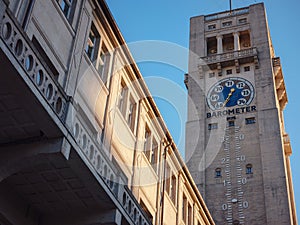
{"x": 229, "y": 95}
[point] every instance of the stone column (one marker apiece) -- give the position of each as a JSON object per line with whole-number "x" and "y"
{"x": 236, "y": 41}
{"x": 219, "y": 44}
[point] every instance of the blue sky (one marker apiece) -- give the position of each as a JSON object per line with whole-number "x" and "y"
{"x": 147, "y": 25}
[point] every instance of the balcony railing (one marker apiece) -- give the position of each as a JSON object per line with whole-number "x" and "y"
{"x": 227, "y": 14}
{"x": 230, "y": 56}
{"x": 20, "y": 47}
{"x": 108, "y": 173}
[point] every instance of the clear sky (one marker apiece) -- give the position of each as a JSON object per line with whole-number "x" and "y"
{"x": 159, "y": 29}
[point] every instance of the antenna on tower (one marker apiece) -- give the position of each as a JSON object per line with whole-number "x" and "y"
{"x": 230, "y": 5}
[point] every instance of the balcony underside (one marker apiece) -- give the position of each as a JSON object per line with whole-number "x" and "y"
{"x": 22, "y": 117}
{"x": 53, "y": 190}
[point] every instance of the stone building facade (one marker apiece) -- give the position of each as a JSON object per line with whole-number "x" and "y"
{"x": 239, "y": 158}
{"x": 81, "y": 139}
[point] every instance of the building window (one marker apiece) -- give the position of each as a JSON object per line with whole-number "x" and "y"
{"x": 122, "y": 98}
{"x": 212, "y": 74}
{"x": 249, "y": 169}
{"x": 228, "y": 72}
{"x": 184, "y": 207}
{"x": 212, "y": 126}
{"x": 103, "y": 63}
{"x": 67, "y": 6}
{"x": 211, "y": 27}
{"x": 131, "y": 114}
{"x": 147, "y": 142}
{"x": 190, "y": 214}
{"x": 231, "y": 123}
{"x": 98, "y": 53}
{"x": 173, "y": 189}
{"x": 250, "y": 120}
{"x": 246, "y": 68}
{"x": 227, "y": 24}
{"x": 93, "y": 43}
{"x": 218, "y": 172}
{"x": 243, "y": 20}
{"x": 154, "y": 154}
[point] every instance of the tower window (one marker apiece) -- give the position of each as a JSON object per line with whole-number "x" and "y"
{"x": 228, "y": 72}
{"x": 250, "y": 120}
{"x": 246, "y": 68}
{"x": 231, "y": 123}
{"x": 243, "y": 20}
{"x": 212, "y": 26}
{"x": 212, "y": 126}
{"x": 227, "y": 24}
{"x": 218, "y": 172}
{"x": 249, "y": 169}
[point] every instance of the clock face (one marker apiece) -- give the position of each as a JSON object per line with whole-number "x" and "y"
{"x": 229, "y": 92}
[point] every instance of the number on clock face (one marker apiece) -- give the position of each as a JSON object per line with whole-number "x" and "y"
{"x": 229, "y": 92}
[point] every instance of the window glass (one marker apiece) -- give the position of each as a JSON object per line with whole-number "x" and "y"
{"x": 212, "y": 126}
{"x": 122, "y": 97}
{"x": 131, "y": 114}
{"x": 250, "y": 120}
{"x": 246, "y": 68}
{"x": 154, "y": 154}
{"x": 249, "y": 169}
{"x": 218, "y": 172}
{"x": 93, "y": 42}
{"x": 67, "y": 7}
{"x": 147, "y": 143}
{"x": 231, "y": 123}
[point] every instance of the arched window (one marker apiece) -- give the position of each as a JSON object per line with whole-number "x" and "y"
{"x": 249, "y": 169}
{"x": 218, "y": 172}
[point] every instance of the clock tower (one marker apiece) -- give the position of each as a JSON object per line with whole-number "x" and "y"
{"x": 237, "y": 149}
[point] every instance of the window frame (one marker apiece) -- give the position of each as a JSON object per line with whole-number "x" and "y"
{"x": 229, "y": 72}
{"x": 249, "y": 168}
{"x": 231, "y": 123}
{"x": 212, "y": 126}
{"x": 247, "y": 68}
{"x": 123, "y": 97}
{"x": 218, "y": 173}
{"x": 131, "y": 113}
{"x": 71, "y": 4}
{"x": 147, "y": 142}
{"x": 100, "y": 55}
{"x": 250, "y": 120}
{"x": 227, "y": 23}
{"x": 211, "y": 26}
{"x": 93, "y": 43}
